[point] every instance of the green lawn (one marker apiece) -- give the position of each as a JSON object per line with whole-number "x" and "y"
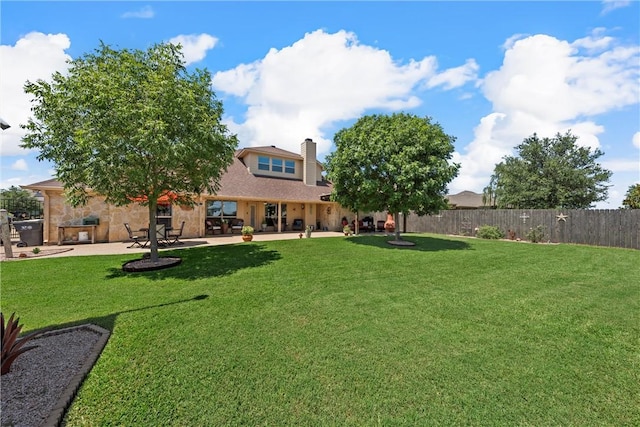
{"x": 351, "y": 331}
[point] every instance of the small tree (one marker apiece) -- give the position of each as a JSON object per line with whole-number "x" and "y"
{"x": 398, "y": 163}
{"x": 550, "y": 173}
{"x": 131, "y": 125}
{"x": 632, "y": 198}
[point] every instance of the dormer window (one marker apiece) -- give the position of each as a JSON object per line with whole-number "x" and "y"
{"x": 263, "y": 163}
{"x": 289, "y": 166}
{"x": 277, "y": 165}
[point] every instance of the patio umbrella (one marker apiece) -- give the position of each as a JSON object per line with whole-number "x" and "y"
{"x": 165, "y": 199}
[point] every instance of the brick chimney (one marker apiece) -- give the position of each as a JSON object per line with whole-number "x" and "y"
{"x": 308, "y": 151}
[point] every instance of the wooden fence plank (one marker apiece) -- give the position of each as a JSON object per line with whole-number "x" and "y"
{"x": 615, "y": 228}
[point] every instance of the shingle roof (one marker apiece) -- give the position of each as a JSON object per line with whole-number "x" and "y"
{"x": 466, "y": 199}
{"x": 44, "y": 185}
{"x": 238, "y": 183}
{"x": 271, "y": 150}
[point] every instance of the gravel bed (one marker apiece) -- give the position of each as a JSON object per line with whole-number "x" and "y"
{"x": 43, "y": 381}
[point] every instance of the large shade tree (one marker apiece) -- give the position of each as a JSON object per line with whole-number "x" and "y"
{"x": 398, "y": 163}
{"x": 550, "y": 173}
{"x": 132, "y": 126}
{"x": 632, "y": 197}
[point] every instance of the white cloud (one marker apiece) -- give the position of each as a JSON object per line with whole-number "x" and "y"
{"x": 609, "y": 5}
{"x": 194, "y": 46}
{"x": 622, "y": 165}
{"x": 636, "y": 139}
{"x": 595, "y": 41}
{"x": 295, "y": 92}
{"x": 145, "y": 12}
{"x": 455, "y": 77}
{"x": 20, "y": 165}
{"x": 35, "y": 56}
{"x": 546, "y": 85}
{"x": 508, "y": 44}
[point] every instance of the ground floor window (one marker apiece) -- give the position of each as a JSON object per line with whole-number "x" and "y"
{"x": 163, "y": 215}
{"x": 219, "y": 210}
{"x": 271, "y": 214}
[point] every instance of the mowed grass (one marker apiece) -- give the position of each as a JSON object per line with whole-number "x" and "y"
{"x": 351, "y": 331}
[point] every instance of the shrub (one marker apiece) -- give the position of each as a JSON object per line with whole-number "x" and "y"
{"x": 36, "y": 250}
{"x": 489, "y": 232}
{"x": 12, "y": 347}
{"x": 536, "y": 235}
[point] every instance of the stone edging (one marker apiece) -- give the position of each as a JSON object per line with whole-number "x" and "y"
{"x": 64, "y": 401}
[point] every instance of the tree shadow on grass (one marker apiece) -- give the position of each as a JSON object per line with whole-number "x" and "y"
{"x": 422, "y": 243}
{"x": 208, "y": 261}
{"x": 108, "y": 321}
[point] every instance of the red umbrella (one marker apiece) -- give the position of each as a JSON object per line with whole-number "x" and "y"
{"x": 165, "y": 199}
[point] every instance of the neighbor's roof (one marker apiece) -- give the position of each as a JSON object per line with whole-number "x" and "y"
{"x": 467, "y": 199}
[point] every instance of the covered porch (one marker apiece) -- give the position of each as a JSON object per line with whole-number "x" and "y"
{"x": 227, "y": 216}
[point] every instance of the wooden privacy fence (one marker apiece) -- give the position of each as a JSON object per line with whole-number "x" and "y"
{"x": 616, "y": 228}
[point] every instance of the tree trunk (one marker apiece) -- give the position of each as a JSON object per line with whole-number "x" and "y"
{"x": 153, "y": 238}
{"x": 6, "y": 233}
{"x": 397, "y": 220}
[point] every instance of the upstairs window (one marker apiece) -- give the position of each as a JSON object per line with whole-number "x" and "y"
{"x": 263, "y": 163}
{"x": 276, "y": 165}
{"x": 289, "y": 166}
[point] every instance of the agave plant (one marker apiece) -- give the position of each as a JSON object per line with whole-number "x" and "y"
{"x": 12, "y": 347}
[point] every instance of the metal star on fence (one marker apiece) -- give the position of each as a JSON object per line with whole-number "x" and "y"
{"x": 562, "y": 217}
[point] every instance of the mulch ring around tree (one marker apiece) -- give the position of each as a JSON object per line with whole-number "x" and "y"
{"x": 401, "y": 243}
{"x": 145, "y": 264}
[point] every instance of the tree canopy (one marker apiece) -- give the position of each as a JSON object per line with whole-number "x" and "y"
{"x": 550, "y": 173}
{"x": 16, "y": 195}
{"x": 399, "y": 163}
{"x": 632, "y": 197}
{"x": 130, "y": 124}
{"x": 20, "y": 203}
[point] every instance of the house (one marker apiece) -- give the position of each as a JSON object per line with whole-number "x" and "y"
{"x": 466, "y": 200}
{"x": 284, "y": 190}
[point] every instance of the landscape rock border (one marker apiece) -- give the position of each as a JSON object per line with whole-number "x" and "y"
{"x": 64, "y": 401}
{"x": 45, "y": 380}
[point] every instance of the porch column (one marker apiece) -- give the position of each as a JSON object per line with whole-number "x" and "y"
{"x": 279, "y": 217}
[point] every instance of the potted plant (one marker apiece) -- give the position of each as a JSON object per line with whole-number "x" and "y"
{"x": 247, "y": 233}
{"x": 347, "y": 230}
{"x": 390, "y": 223}
{"x": 307, "y": 231}
{"x": 263, "y": 225}
{"x": 225, "y": 226}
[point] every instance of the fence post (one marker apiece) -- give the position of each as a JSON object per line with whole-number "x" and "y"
{"x": 6, "y": 233}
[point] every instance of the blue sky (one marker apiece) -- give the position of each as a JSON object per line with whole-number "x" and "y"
{"x": 491, "y": 73}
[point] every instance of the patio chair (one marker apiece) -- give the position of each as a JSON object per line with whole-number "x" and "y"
{"x": 215, "y": 228}
{"x": 298, "y": 224}
{"x": 161, "y": 234}
{"x": 134, "y": 237}
{"x": 173, "y": 236}
{"x": 236, "y": 225}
